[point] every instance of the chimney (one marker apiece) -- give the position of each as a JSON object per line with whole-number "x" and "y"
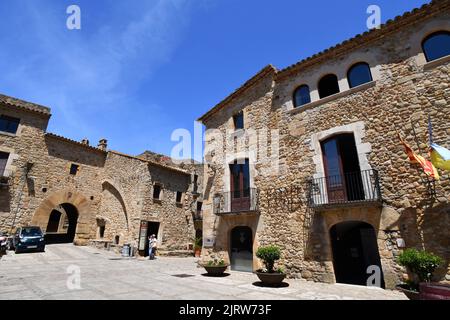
{"x": 85, "y": 141}
{"x": 102, "y": 144}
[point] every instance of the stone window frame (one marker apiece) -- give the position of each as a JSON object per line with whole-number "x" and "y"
{"x": 362, "y": 148}
{"x": 230, "y": 159}
{"x": 9, "y": 168}
{"x": 161, "y": 191}
{"x": 19, "y": 126}
{"x": 181, "y": 193}
{"x": 74, "y": 165}
{"x": 416, "y": 39}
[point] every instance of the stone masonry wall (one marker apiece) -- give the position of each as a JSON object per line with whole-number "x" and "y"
{"x": 405, "y": 91}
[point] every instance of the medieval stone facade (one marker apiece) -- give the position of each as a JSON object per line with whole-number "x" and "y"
{"x": 268, "y": 172}
{"x": 77, "y": 192}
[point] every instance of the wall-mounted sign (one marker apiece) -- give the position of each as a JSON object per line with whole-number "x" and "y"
{"x": 208, "y": 242}
{"x": 143, "y": 235}
{"x": 401, "y": 243}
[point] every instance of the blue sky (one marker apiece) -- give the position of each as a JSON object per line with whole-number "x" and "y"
{"x": 139, "y": 69}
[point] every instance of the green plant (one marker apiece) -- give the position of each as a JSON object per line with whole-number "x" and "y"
{"x": 216, "y": 263}
{"x": 197, "y": 243}
{"x": 269, "y": 254}
{"x": 421, "y": 263}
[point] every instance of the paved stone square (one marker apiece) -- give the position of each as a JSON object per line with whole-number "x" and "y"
{"x": 105, "y": 275}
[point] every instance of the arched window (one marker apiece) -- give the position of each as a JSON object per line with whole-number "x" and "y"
{"x": 328, "y": 85}
{"x": 359, "y": 74}
{"x": 301, "y": 96}
{"x": 436, "y": 45}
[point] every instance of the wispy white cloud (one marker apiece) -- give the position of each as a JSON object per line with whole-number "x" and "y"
{"x": 93, "y": 71}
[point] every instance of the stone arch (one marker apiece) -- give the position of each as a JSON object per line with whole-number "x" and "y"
{"x": 228, "y": 223}
{"x": 110, "y": 187}
{"x": 73, "y": 198}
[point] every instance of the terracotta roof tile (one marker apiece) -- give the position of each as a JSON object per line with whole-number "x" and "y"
{"x": 25, "y": 105}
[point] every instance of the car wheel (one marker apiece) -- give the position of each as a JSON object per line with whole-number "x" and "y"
{"x": 16, "y": 250}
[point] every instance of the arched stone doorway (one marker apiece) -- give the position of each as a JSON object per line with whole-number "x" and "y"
{"x": 354, "y": 247}
{"x": 69, "y": 220}
{"x": 74, "y": 208}
{"x": 241, "y": 249}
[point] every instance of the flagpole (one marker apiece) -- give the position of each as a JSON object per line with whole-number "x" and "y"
{"x": 430, "y": 130}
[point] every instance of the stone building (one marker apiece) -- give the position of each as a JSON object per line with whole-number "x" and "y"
{"x": 89, "y": 194}
{"x": 308, "y": 157}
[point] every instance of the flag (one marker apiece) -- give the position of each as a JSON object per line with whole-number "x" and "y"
{"x": 426, "y": 165}
{"x": 440, "y": 157}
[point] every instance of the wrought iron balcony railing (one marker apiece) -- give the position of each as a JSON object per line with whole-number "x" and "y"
{"x": 237, "y": 201}
{"x": 362, "y": 187}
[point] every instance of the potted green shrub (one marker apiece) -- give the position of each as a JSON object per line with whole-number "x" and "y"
{"x": 268, "y": 275}
{"x": 215, "y": 267}
{"x": 421, "y": 266}
{"x": 198, "y": 246}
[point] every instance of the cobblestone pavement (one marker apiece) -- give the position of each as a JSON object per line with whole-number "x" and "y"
{"x": 105, "y": 275}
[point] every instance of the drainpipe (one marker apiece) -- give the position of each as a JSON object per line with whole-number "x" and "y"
{"x": 27, "y": 170}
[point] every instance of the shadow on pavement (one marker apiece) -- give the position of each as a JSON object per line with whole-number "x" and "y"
{"x": 263, "y": 285}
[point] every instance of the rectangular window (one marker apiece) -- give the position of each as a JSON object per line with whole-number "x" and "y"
{"x": 179, "y": 196}
{"x": 238, "y": 120}
{"x": 156, "y": 191}
{"x": 3, "y": 161}
{"x": 199, "y": 206}
{"x": 73, "y": 169}
{"x": 9, "y": 124}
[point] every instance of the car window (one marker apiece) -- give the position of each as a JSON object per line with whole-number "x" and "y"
{"x": 31, "y": 232}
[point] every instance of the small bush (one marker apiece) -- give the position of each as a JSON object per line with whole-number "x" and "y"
{"x": 216, "y": 263}
{"x": 269, "y": 255}
{"x": 421, "y": 263}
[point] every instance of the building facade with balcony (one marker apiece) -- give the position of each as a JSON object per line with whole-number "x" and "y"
{"x": 308, "y": 157}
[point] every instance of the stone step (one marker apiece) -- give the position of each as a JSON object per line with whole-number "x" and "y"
{"x": 175, "y": 253}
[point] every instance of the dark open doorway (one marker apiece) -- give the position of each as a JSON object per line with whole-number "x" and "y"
{"x": 241, "y": 249}
{"x": 354, "y": 245}
{"x": 62, "y": 231}
{"x": 153, "y": 228}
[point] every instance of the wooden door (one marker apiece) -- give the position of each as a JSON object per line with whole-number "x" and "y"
{"x": 334, "y": 173}
{"x": 240, "y": 185}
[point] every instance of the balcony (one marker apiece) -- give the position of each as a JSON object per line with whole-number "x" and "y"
{"x": 351, "y": 189}
{"x": 236, "y": 202}
{"x": 5, "y": 176}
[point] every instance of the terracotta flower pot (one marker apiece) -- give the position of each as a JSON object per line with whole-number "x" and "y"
{"x": 275, "y": 278}
{"x": 215, "y": 270}
{"x": 434, "y": 291}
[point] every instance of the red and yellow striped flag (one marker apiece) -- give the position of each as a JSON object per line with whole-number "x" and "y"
{"x": 426, "y": 165}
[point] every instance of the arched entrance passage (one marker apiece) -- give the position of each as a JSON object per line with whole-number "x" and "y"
{"x": 354, "y": 246}
{"x": 75, "y": 220}
{"x": 241, "y": 249}
{"x": 61, "y": 228}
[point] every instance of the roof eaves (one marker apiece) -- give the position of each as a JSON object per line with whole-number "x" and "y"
{"x": 253, "y": 80}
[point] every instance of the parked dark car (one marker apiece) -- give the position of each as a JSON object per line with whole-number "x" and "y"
{"x": 28, "y": 239}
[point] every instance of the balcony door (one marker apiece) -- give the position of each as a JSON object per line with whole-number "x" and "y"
{"x": 240, "y": 185}
{"x": 3, "y": 161}
{"x": 342, "y": 171}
